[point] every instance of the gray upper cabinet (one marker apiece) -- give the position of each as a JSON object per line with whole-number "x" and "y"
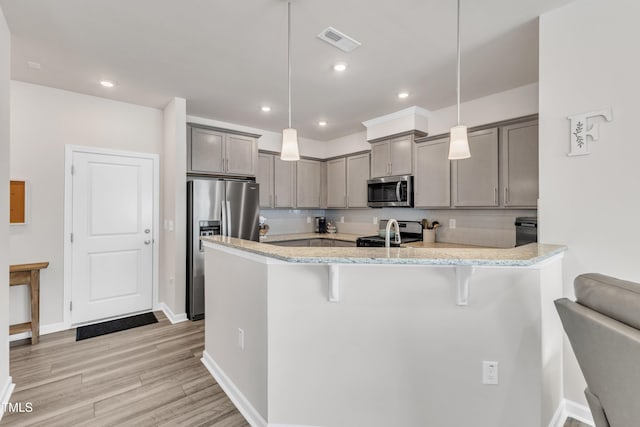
{"x": 308, "y": 187}
{"x": 432, "y": 178}
{"x": 206, "y": 154}
{"x": 284, "y": 180}
{"x": 519, "y": 157}
{"x": 264, "y": 177}
{"x": 357, "y": 176}
{"x": 221, "y": 152}
{"x": 392, "y": 157}
{"x": 337, "y": 183}
{"x": 475, "y": 180}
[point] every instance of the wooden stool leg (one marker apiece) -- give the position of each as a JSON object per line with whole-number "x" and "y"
{"x": 35, "y": 306}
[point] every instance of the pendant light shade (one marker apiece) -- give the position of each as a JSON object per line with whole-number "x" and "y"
{"x": 458, "y": 142}
{"x": 289, "y": 150}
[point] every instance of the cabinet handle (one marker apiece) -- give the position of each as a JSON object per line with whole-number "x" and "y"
{"x": 506, "y": 195}
{"x": 275, "y": 201}
{"x": 495, "y": 194}
{"x": 270, "y": 200}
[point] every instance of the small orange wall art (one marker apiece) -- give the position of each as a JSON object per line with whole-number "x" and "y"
{"x": 17, "y": 202}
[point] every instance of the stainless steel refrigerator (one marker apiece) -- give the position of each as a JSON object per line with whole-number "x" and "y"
{"x": 216, "y": 207}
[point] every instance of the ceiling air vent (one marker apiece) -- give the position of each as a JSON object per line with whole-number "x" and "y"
{"x": 338, "y": 39}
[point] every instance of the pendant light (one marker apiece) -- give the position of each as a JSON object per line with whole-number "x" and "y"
{"x": 289, "y": 150}
{"x": 459, "y": 144}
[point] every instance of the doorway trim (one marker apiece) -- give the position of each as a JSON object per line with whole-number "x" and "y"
{"x": 69, "y": 150}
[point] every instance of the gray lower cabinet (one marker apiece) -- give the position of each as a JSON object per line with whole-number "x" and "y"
{"x": 344, "y": 244}
{"x": 519, "y": 158}
{"x": 357, "y": 176}
{"x": 264, "y": 177}
{"x": 432, "y": 178}
{"x": 217, "y": 151}
{"x": 308, "y": 184}
{"x": 284, "y": 182}
{"x": 475, "y": 180}
{"x": 337, "y": 183}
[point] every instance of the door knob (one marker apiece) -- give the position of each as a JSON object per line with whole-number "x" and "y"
{"x": 147, "y": 231}
{"x": 147, "y": 242}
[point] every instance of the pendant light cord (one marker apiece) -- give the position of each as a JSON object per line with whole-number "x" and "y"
{"x": 458, "y": 41}
{"x": 289, "y": 57}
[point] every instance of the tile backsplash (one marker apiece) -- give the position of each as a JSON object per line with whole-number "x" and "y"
{"x": 482, "y": 227}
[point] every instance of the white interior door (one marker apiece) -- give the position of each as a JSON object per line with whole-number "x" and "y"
{"x": 112, "y": 229}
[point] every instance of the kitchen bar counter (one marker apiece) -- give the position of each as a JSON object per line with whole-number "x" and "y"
{"x": 346, "y": 336}
{"x": 447, "y": 254}
{"x": 273, "y": 238}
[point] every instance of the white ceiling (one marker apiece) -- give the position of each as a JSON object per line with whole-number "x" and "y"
{"x": 227, "y": 58}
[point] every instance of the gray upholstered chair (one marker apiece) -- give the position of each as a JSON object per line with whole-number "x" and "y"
{"x": 603, "y": 326}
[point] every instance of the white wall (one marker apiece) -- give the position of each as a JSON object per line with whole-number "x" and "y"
{"x": 43, "y": 120}
{"x": 589, "y": 61}
{"x": 5, "y": 39}
{"x": 173, "y": 246}
{"x": 518, "y": 102}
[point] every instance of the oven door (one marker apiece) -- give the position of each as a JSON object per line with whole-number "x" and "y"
{"x": 390, "y": 191}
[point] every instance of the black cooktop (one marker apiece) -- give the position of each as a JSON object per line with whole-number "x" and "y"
{"x": 410, "y": 231}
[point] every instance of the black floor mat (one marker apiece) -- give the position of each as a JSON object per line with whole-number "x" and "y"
{"x": 90, "y": 331}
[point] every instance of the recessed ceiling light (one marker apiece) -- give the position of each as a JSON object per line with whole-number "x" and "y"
{"x": 403, "y": 95}
{"x": 265, "y": 108}
{"x": 35, "y": 65}
{"x": 322, "y": 123}
{"x": 340, "y": 66}
{"x": 106, "y": 83}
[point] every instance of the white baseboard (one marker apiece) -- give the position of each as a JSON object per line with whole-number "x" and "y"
{"x": 173, "y": 318}
{"x": 5, "y": 394}
{"x": 44, "y": 330}
{"x": 569, "y": 408}
{"x": 252, "y": 416}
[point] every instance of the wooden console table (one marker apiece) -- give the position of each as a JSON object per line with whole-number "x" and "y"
{"x": 28, "y": 274}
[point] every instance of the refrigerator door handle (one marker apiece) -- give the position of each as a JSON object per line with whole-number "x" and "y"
{"x": 223, "y": 229}
{"x": 228, "y": 218}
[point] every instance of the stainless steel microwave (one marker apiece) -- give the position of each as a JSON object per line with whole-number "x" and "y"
{"x": 396, "y": 191}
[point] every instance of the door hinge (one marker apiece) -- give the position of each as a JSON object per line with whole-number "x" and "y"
{"x": 71, "y": 237}
{"x": 70, "y": 305}
{"x": 73, "y": 169}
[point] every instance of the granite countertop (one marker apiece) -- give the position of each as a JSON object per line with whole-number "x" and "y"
{"x": 521, "y": 256}
{"x": 272, "y": 238}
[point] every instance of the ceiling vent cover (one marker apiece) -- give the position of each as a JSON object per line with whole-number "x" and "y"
{"x": 338, "y": 39}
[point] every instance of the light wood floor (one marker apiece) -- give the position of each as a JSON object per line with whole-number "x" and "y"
{"x": 147, "y": 376}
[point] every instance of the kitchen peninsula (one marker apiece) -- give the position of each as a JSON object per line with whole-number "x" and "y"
{"x": 336, "y": 336}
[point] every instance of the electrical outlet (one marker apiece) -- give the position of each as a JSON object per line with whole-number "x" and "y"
{"x": 241, "y": 338}
{"x": 489, "y": 372}
{"x": 308, "y": 220}
{"x": 342, "y": 219}
{"x": 375, "y": 219}
{"x": 452, "y": 223}
{"x": 170, "y": 225}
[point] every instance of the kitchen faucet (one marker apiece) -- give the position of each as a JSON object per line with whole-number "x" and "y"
{"x": 396, "y": 238}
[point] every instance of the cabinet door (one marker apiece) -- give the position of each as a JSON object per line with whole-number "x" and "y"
{"x": 284, "y": 174}
{"x": 308, "y": 184}
{"x": 344, "y": 244}
{"x": 323, "y": 185}
{"x": 241, "y": 155}
{"x": 206, "y": 151}
{"x": 336, "y": 183}
{"x": 475, "y": 180}
{"x": 357, "y": 176}
{"x": 380, "y": 159}
{"x": 520, "y": 164}
{"x": 401, "y": 155}
{"x": 264, "y": 177}
{"x": 432, "y": 179}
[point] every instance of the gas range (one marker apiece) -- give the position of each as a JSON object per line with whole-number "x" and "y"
{"x": 410, "y": 231}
